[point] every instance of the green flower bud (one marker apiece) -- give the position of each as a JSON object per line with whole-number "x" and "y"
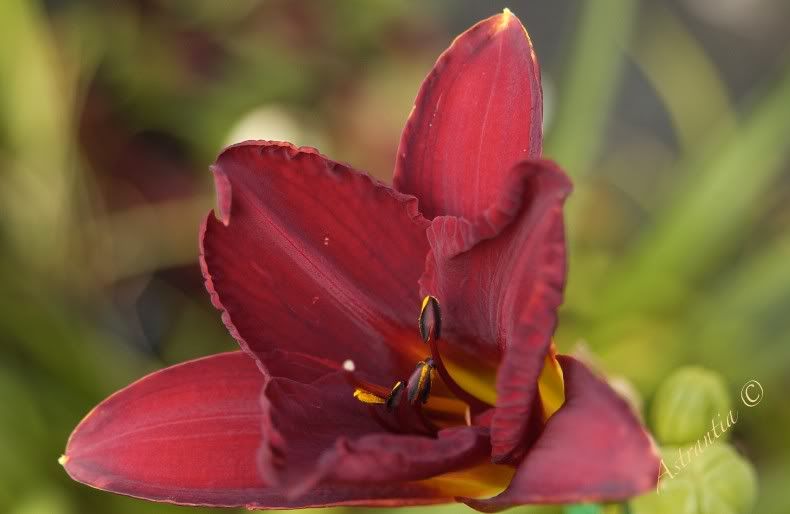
{"x": 688, "y": 404}
{"x": 729, "y": 481}
{"x": 715, "y": 480}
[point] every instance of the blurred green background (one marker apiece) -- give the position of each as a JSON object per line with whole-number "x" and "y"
{"x": 673, "y": 118}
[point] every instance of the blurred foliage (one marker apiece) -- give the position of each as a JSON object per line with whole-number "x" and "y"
{"x": 670, "y": 116}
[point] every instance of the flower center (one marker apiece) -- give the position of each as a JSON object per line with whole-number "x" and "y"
{"x": 412, "y": 411}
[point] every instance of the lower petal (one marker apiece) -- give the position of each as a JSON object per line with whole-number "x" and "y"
{"x": 321, "y": 435}
{"x": 387, "y": 458}
{"x": 187, "y": 434}
{"x": 191, "y": 435}
{"x": 593, "y": 449}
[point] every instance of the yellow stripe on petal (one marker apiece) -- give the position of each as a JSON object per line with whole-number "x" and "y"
{"x": 482, "y": 481}
{"x": 551, "y": 385}
{"x": 477, "y": 382}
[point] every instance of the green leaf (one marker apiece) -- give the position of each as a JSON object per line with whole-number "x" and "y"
{"x": 588, "y": 85}
{"x": 708, "y": 214}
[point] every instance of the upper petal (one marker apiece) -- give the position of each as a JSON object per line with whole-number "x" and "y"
{"x": 593, "y": 449}
{"x": 309, "y": 251}
{"x": 477, "y": 113}
{"x": 500, "y": 280}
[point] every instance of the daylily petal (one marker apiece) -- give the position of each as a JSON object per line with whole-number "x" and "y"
{"x": 191, "y": 434}
{"x": 385, "y": 458}
{"x": 308, "y": 251}
{"x": 499, "y": 280}
{"x": 186, "y": 434}
{"x": 593, "y": 449}
{"x": 308, "y": 396}
{"x": 321, "y": 434}
{"x": 477, "y": 113}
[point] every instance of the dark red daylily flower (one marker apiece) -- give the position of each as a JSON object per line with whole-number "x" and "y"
{"x": 339, "y": 397}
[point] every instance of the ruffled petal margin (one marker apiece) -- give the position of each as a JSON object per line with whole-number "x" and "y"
{"x": 308, "y": 251}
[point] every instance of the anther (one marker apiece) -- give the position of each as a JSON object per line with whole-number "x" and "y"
{"x": 419, "y": 386}
{"x": 430, "y": 320}
{"x": 367, "y": 397}
{"x": 430, "y": 324}
{"x": 404, "y": 415}
{"x": 394, "y": 398}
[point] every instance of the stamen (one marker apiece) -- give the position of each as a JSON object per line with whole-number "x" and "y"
{"x": 420, "y": 382}
{"x": 394, "y": 398}
{"x": 406, "y": 418}
{"x": 430, "y": 323}
{"x": 365, "y": 387}
{"x": 367, "y": 397}
{"x": 427, "y": 425}
{"x": 430, "y": 320}
{"x": 476, "y": 404}
{"x": 411, "y": 415}
{"x": 408, "y": 415}
{"x": 375, "y": 412}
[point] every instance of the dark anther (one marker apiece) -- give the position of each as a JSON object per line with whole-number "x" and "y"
{"x": 430, "y": 320}
{"x": 393, "y": 399}
{"x": 419, "y": 385}
{"x": 430, "y": 324}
